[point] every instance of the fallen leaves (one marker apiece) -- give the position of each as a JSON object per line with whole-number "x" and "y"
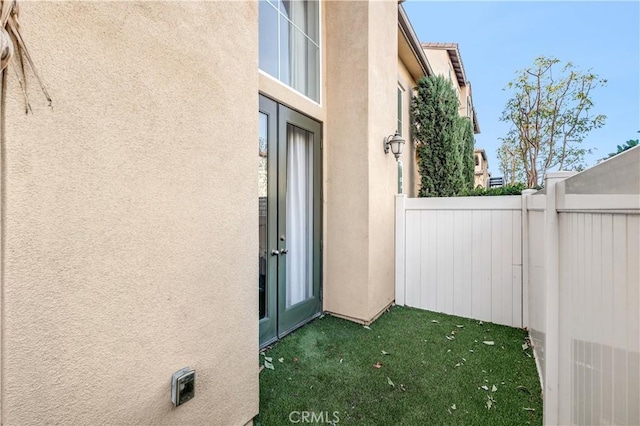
{"x": 377, "y": 365}
{"x": 489, "y": 342}
{"x": 490, "y": 402}
{"x": 268, "y": 364}
{"x": 390, "y": 382}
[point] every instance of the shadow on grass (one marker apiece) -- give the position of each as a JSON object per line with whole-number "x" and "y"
{"x": 411, "y": 367}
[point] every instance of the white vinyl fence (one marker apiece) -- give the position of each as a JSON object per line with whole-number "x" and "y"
{"x": 563, "y": 262}
{"x": 463, "y": 257}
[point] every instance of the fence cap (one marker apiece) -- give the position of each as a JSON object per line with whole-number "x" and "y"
{"x": 560, "y": 175}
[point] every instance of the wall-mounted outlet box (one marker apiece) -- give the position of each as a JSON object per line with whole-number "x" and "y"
{"x": 183, "y": 386}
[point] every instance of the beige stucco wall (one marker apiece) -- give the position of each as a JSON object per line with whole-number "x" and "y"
{"x": 411, "y": 177}
{"x": 360, "y": 179}
{"x": 383, "y": 74}
{"x": 126, "y": 254}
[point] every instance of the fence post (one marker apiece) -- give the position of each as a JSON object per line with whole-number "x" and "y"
{"x": 525, "y": 257}
{"x": 552, "y": 299}
{"x": 400, "y": 248}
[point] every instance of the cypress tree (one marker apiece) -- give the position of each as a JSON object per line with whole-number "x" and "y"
{"x": 444, "y": 147}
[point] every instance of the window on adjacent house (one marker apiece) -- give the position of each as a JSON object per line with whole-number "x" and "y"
{"x": 290, "y": 43}
{"x": 400, "y": 95}
{"x": 477, "y": 160}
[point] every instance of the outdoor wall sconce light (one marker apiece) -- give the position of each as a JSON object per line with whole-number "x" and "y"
{"x": 394, "y": 143}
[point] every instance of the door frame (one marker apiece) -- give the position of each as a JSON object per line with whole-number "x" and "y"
{"x": 279, "y": 320}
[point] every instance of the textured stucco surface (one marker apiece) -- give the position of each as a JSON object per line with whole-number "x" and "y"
{"x": 126, "y": 252}
{"x": 408, "y": 158}
{"x": 360, "y": 179}
{"x": 347, "y": 211}
{"x": 383, "y": 75}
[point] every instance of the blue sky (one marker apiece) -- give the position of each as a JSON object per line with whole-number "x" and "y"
{"x": 498, "y": 38}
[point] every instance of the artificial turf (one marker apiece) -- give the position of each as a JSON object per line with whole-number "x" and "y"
{"x": 410, "y": 367}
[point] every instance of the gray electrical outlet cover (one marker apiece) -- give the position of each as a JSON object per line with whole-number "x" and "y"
{"x": 183, "y": 386}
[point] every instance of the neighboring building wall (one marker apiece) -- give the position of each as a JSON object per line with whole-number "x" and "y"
{"x": 481, "y": 169}
{"x": 440, "y": 60}
{"x": 126, "y": 206}
{"x": 441, "y": 64}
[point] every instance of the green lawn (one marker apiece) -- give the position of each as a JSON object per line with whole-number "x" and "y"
{"x": 410, "y": 367}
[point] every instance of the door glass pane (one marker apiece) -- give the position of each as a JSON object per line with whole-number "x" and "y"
{"x": 262, "y": 215}
{"x": 299, "y": 214}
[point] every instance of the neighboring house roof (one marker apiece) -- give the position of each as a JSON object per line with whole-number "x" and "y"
{"x": 411, "y": 44}
{"x": 456, "y": 61}
{"x": 481, "y": 152}
{"x": 454, "y": 56}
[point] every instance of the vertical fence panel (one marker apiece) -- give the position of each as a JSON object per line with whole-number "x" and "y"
{"x": 486, "y": 265}
{"x": 459, "y": 229}
{"x": 496, "y": 267}
{"x": 620, "y": 319}
{"x": 516, "y": 270}
{"x": 633, "y": 319}
{"x": 596, "y": 280}
{"x": 432, "y": 261}
{"x": 464, "y": 260}
{"x": 427, "y": 265}
{"x": 506, "y": 257}
{"x": 412, "y": 256}
{"x": 467, "y": 264}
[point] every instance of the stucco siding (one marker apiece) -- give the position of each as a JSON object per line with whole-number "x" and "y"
{"x": 411, "y": 176}
{"x": 346, "y": 279}
{"x": 383, "y": 74}
{"x": 126, "y": 208}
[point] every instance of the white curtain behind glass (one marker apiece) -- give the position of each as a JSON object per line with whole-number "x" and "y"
{"x": 298, "y": 47}
{"x": 299, "y": 215}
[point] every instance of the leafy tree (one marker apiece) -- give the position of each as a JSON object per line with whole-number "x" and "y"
{"x": 440, "y": 134}
{"x": 622, "y": 148}
{"x": 466, "y": 152}
{"x": 550, "y": 111}
{"x": 511, "y": 161}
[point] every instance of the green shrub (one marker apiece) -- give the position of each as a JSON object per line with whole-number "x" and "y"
{"x": 444, "y": 140}
{"x": 502, "y": 190}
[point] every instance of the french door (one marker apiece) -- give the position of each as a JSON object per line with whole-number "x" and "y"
{"x": 289, "y": 220}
